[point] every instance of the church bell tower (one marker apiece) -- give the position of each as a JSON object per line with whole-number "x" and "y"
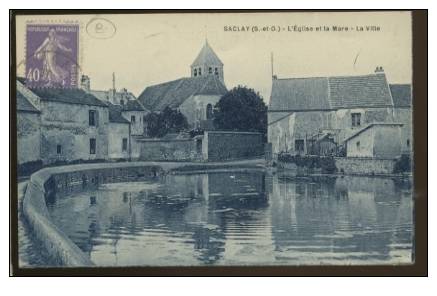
{"x": 207, "y": 63}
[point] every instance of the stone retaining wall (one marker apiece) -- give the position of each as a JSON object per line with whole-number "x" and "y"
{"x": 364, "y": 166}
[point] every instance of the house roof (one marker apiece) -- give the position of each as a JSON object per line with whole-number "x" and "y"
{"x": 207, "y": 56}
{"x": 401, "y": 94}
{"x": 330, "y": 93}
{"x": 23, "y": 104}
{"x": 300, "y": 94}
{"x": 133, "y": 105}
{"x": 372, "y": 125}
{"x": 68, "y": 96}
{"x": 174, "y": 93}
{"x": 115, "y": 114}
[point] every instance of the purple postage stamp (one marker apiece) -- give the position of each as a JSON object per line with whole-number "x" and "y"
{"x": 52, "y": 55}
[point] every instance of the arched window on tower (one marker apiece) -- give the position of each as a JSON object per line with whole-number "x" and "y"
{"x": 209, "y": 112}
{"x": 210, "y": 70}
{"x": 195, "y": 72}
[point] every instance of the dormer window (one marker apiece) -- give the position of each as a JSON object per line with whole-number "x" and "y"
{"x": 195, "y": 72}
{"x": 200, "y": 71}
{"x": 216, "y": 71}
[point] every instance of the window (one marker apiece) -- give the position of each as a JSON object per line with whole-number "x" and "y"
{"x": 92, "y": 118}
{"x": 210, "y": 70}
{"x": 358, "y": 145}
{"x": 124, "y": 145}
{"x": 356, "y": 119}
{"x": 195, "y": 72}
{"x": 92, "y": 146}
{"x": 58, "y": 149}
{"x": 299, "y": 145}
{"x": 121, "y": 102}
{"x": 216, "y": 71}
{"x": 132, "y": 119}
{"x": 408, "y": 142}
{"x": 208, "y": 111}
{"x": 200, "y": 72}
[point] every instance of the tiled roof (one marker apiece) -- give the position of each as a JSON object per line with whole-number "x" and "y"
{"x": 115, "y": 114}
{"x": 207, "y": 56}
{"x": 23, "y": 104}
{"x": 67, "y": 95}
{"x": 330, "y": 93}
{"x": 174, "y": 93}
{"x": 359, "y": 91}
{"x": 401, "y": 94}
{"x": 300, "y": 94}
{"x": 133, "y": 105}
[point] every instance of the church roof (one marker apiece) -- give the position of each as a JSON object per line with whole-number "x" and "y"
{"x": 330, "y": 93}
{"x": 207, "y": 56}
{"x": 401, "y": 94}
{"x": 174, "y": 93}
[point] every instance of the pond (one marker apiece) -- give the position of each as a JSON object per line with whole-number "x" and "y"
{"x": 236, "y": 218}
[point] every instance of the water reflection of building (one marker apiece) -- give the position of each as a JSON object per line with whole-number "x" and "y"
{"x": 235, "y": 218}
{"x": 338, "y": 219}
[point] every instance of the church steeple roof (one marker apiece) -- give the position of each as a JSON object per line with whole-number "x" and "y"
{"x": 207, "y": 56}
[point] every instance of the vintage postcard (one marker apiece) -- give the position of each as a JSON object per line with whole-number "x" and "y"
{"x": 215, "y": 139}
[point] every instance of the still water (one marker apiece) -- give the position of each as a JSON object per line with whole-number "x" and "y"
{"x": 241, "y": 219}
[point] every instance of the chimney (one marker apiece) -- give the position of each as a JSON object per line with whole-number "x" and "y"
{"x": 85, "y": 83}
{"x": 379, "y": 70}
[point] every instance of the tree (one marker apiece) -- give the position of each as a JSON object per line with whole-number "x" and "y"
{"x": 169, "y": 120}
{"x": 241, "y": 109}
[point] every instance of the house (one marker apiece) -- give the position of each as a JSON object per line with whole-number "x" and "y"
{"x": 131, "y": 109}
{"x": 73, "y": 124}
{"x": 401, "y": 94}
{"x": 193, "y": 96}
{"x": 304, "y": 111}
{"x": 28, "y": 126}
{"x": 119, "y": 134}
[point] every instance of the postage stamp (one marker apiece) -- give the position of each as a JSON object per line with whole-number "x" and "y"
{"x": 52, "y": 55}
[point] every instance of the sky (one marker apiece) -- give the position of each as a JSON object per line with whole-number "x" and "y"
{"x": 149, "y": 49}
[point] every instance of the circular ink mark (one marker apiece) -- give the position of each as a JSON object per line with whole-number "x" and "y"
{"x": 100, "y": 28}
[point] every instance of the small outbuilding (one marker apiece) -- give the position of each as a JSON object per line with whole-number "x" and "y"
{"x": 377, "y": 140}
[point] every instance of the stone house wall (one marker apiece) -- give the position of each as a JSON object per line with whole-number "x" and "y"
{"x": 116, "y": 133}
{"x": 137, "y": 127}
{"x": 28, "y": 137}
{"x": 67, "y": 125}
{"x": 405, "y": 116}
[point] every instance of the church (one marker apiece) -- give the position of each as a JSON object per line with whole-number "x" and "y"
{"x": 193, "y": 96}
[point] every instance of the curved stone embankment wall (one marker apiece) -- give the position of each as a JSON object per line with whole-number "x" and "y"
{"x": 74, "y": 178}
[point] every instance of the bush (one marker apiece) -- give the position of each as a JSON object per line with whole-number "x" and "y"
{"x": 403, "y": 164}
